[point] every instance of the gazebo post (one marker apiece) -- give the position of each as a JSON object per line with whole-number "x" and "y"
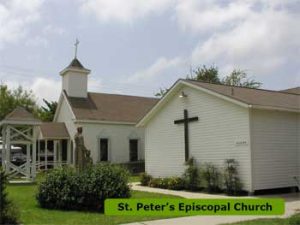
{"x": 46, "y": 154}
{"x": 8, "y": 147}
{"x": 39, "y": 153}
{"x": 28, "y": 161}
{"x": 3, "y": 147}
{"x": 59, "y": 152}
{"x": 69, "y": 152}
{"x": 54, "y": 153}
{"x": 33, "y": 170}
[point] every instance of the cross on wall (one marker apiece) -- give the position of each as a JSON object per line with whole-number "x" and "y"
{"x": 186, "y": 120}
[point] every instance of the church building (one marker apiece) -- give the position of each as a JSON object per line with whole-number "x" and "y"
{"x": 258, "y": 128}
{"x": 108, "y": 120}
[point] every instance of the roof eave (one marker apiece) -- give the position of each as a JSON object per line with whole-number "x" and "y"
{"x": 283, "y": 109}
{"x": 104, "y": 122}
{"x": 75, "y": 69}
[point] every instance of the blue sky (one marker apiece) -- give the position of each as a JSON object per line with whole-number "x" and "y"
{"x": 137, "y": 46}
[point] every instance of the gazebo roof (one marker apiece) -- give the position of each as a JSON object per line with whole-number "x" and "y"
{"x": 54, "y": 131}
{"x": 20, "y": 116}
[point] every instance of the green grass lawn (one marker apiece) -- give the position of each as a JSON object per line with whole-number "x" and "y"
{"x": 24, "y": 197}
{"x": 276, "y": 221}
{"x": 134, "y": 178}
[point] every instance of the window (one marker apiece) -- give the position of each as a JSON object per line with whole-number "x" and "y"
{"x": 133, "y": 150}
{"x": 103, "y": 149}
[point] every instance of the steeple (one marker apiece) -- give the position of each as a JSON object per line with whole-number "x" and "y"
{"x": 75, "y": 77}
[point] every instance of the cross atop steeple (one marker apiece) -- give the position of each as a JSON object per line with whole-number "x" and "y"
{"x": 76, "y": 47}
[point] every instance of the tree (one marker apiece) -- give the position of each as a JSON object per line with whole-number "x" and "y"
{"x": 210, "y": 75}
{"x": 161, "y": 92}
{"x": 8, "y": 212}
{"x": 239, "y": 78}
{"x": 47, "y": 113}
{"x": 10, "y": 99}
{"x": 203, "y": 73}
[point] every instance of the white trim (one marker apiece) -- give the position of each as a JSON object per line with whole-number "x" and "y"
{"x": 160, "y": 103}
{"x": 69, "y": 105}
{"x": 250, "y": 149}
{"x": 274, "y": 108}
{"x": 104, "y": 122}
{"x": 172, "y": 92}
{"x": 216, "y": 94}
{"x": 180, "y": 83}
{"x": 58, "y": 107}
{"x": 74, "y": 69}
{"x": 15, "y": 122}
{"x": 63, "y": 96}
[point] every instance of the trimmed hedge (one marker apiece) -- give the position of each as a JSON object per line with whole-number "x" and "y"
{"x": 67, "y": 189}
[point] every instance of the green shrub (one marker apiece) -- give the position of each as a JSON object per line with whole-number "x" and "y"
{"x": 145, "y": 179}
{"x": 294, "y": 220}
{"x": 64, "y": 188}
{"x": 232, "y": 183}
{"x": 172, "y": 183}
{"x": 159, "y": 183}
{"x": 176, "y": 183}
{"x": 8, "y": 211}
{"x": 211, "y": 175}
{"x": 191, "y": 176}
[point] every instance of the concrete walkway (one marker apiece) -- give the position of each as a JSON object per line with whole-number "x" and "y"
{"x": 292, "y": 206}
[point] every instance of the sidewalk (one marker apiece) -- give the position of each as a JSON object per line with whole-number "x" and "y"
{"x": 292, "y": 205}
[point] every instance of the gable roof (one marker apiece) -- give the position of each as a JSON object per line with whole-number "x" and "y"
{"x": 20, "y": 115}
{"x": 110, "y": 107}
{"x": 246, "y": 97}
{"x": 54, "y": 131}
{"x": 295, "y": 90}
{"x": 254, "y": 97}
{"x": 76, "y": 63}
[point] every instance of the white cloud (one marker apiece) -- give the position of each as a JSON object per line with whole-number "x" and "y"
{"x": 123, "y": 11}
{"x": 37, "y": 41}
{"x": 155, "y": 70}
{"x": 15, "y": 17}
{"x": 263, "y": 40}
{"x": 42, "y": 88}
{"x": 53, "y": 30}
{"x": 95, "y": 85}
{"x": 209, "y": 15}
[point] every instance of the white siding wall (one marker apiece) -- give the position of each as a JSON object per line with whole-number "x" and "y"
{"x": 65, "y": 115}
{"x": 75, "y": 84}
{"x": 212, "y": 139}
{"x": 118, "y": 136}
{"x": 275, "y": 145}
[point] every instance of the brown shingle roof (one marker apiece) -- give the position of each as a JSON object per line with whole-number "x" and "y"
{"x": 295, "y": 90}
{"x": 54, "y": 131}
{"x": 111, "y": 107}
{"x": 257, "y": 97}
{"x": 20, "y": 114}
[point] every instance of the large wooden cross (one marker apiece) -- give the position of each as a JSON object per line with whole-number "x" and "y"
{"x": 186, "y": 120}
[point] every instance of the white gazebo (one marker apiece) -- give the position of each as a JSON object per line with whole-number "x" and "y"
{"x": 20, "y": 128}
{"x": 54, "y": 146}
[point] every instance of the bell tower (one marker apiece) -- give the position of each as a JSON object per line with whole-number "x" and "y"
{"x": 75, "y": 78}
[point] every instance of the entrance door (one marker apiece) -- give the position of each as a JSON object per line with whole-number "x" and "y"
{"x": 103, "y": 149}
